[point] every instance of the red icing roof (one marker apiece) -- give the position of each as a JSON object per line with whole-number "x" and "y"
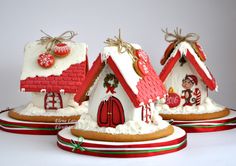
{"x": 149, "y": 87}
{"x": 69, "y": 80}
{"x": 210, "y": 82}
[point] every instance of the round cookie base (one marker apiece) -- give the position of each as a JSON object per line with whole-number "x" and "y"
{"x": 48, "y": 119}
{"x": 93, "y": 135}
{"x": 191, "y": 117}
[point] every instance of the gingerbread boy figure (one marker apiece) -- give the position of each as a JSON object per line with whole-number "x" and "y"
{"x": 187, "y": 94}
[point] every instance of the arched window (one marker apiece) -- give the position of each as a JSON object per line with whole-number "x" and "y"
{"x": 52, "y": 101}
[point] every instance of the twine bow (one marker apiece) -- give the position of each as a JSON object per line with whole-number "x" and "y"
{"x": 176, "y": 37}
{"x": 78, "y": 145}
{"x": 120, "y": 44}
{"x": 52, "y": 41}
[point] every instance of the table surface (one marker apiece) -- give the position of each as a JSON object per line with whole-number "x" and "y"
{"x": 215, "y": 148}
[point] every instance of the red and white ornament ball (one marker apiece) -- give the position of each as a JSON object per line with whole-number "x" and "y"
{"x": 46, "y": 60}
{"x": 61, "y": 49}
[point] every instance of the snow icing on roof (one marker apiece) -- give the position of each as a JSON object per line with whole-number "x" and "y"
{"x": 183, "y": 47}
{"x": 32, "y": 51}
{"x": 124, "y": 63}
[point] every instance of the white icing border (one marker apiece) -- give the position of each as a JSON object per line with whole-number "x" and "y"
{"x": 131, "y": 127}
{"x": 124, "y": 63}
{"x": 208, "y": 106}
{"x": 183, "y": 47}
{"x": 73, "y": 108}
{"x": 33, "y": 49}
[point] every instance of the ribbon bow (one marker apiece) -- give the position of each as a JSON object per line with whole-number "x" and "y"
{"x": 78, "y": 145}
{"x": 51, "y": 41}
{"x": 120, "y": 44}
{"x": 176, "y": 37}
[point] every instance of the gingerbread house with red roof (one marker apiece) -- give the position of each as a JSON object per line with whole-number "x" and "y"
{"x": 185, "y": 74}
{"x": 117, "y": 92}
{"x": 54, "y": 88}
{"x": 187, "y": 80}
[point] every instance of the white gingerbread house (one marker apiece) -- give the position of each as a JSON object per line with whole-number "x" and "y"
{"x": 53, "y": 88}
{"x": 117, "y": 93}
{"x": 185, "y": 75}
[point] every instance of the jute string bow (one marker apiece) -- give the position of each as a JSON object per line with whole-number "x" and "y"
{"x": 177, "y": 37}
{"x": 52, "y": 41}
{"x": 122, "y": 45}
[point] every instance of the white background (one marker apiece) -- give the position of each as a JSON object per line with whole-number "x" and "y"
{"x": 141, "y": 22}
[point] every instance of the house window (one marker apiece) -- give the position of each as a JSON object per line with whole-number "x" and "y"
{"x": 52, "y": 101}
{"x": 146, "y": 114}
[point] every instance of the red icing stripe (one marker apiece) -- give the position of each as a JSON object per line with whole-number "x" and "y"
{"x": 209, "y": 82}
{"x": 169, "y": 66}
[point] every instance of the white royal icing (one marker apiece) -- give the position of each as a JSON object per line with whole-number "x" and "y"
{"x": 73, "y": 108}
{"x": 131, "y": 127}
{"x": 183, "y": 47}
{"x": 34, "y": 49}
{"x": 208, "y": 106}
{"x": 124, "y": 63}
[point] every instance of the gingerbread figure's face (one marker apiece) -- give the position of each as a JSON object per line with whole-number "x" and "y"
{"x": 187, "y": 84}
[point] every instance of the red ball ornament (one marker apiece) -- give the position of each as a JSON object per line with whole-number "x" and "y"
{"x": 142, "y": 55}
{"x": 173, "y": 99}
{"x": 46, "y": 60}
{"x": 142, "y": 67}
{"x": 61, "y": 49}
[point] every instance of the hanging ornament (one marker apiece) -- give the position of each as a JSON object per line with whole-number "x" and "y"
{"x": 46, "y": 60}
{"x": 141, "y": 67}
{"x": 61, "y": 49}
{"x": 198, "y": 49}
{"x": 173, "y": 99}
{"x": 142, "y": 55}
{"x": 167, "y": 53}
{"x": 54, "y": 46}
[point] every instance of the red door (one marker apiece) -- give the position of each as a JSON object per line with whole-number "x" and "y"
{"x": 110, "y": 113}
{"x": 52, "y": 101}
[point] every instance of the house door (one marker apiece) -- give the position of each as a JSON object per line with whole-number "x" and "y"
{"x": 52, "y": 101}
{"x": 110, "y": 113}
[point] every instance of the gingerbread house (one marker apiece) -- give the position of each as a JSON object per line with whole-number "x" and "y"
{"x": 117, "y": 93}
{"x": 185, "y": 74}
{"x": 53, "y": 88}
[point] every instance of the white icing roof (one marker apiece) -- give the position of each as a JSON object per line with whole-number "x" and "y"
{"x": 32, "y": 51}
{"x": 183, "y": 47}
{"x": 125, "y": 65}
